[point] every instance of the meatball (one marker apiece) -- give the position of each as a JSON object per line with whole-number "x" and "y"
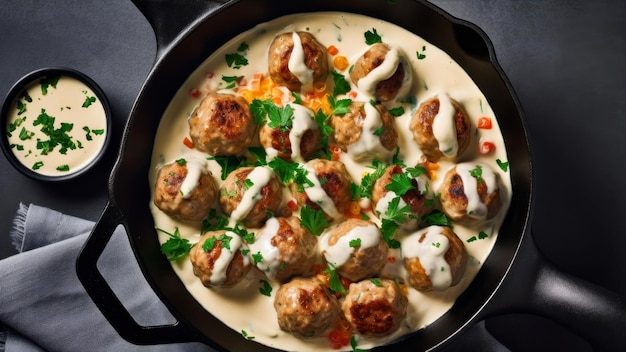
{"x": 306, "y": 308}
{"x": 382, "y": 72}
{"x": 284, "y": 249}
{"x": 327, "y": 187}
{"x": 441, "y": 128}
{"x": 222, "y": 125}
{"x": 366, "y": 132}
{"x": 218, "y": 260}
{"x": 420, "y": 198}
{"x": 375, "y": 307}
{"x": 434, "y": 257}
{"x": 298, "y": 142}
{"x": 250, "y": 194}
{"x": 355, "y": 248}
{"x": 470, "y": 193}
{"x": 185, "y": 190}
{"x": 297, "y": 60}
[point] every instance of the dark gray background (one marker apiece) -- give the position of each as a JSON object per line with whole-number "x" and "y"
{"x": 565, "y": 59}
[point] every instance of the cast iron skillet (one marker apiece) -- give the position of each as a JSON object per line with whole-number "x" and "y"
{"x": 514, "y": 278}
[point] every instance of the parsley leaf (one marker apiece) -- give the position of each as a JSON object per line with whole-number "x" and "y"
{"x": 339, "y": 107}
{"x": 322, "y": 122}
{"x": 175, "y": 247}
{"x": 231, "y": 81}
{"x": 437, "y": 217}
{"x": 504, "y": 165}
{"x": 210, "y": 242}
{"x": 400, "y": 184}
{"x": 334, "y": 281}
{"x": 372, "y": 37}
{"x": 228, "y": 163}
{"x": 355, "y": 243}
{"x": 266, "y": 288}
{"x": 477, "y": 173}
{"x": 341, "y": 84}
{"x": 280, "y": 117}
{"x": 88, "y": 101}
{"x": 47, "y": 82}
{"x": 313, "y": 220}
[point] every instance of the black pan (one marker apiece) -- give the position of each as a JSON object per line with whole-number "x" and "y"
{"x": 514, "y": 278}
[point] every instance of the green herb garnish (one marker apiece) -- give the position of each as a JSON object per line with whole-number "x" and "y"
{"x": 372, "y": 37}
{"x": 266, "y": 288}
{"x": 88, "y": 101}
{"x": 334, "y": 281}
{"x": 313, "y": 220}
{"x": 175, "y": 247}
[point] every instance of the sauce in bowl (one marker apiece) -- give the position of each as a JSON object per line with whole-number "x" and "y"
{"x": 56, "y": 124}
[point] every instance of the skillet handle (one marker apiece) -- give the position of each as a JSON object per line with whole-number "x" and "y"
{"x": 171, "y": 18}
{"x": 104, "y": 297}
{"x": 596, "y": 314}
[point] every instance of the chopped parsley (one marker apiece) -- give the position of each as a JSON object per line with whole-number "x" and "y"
{"x": 477, "y": 173}
{"x": 266, "y": 288}
{"x": 334, "y": 281}
{"x": 210, "y": 242}
{"x": 376, "y": 282}
{"x": 339, "y": 107}
{"x": 58, "y": 136}
{"x": 37, "y": 165}
{"x": 231, "y": 81}
{"x": 341, "y": 84}
{"x": 322, "y": 122}
{"x": 238, "y": 60}
{"x": 355, "y": 243}
{"x": 313, "y": 220}
{"x": 504, "y": 165}
{"x": 397, "y": 111}
{"x": 64, "y": 167}
{"x": 228, "y": 163}
{"x": 46, "y": 82}
{"x": 257, "y": 257}
{"x": 400, "y": 184}
{"x": 181, "y": 162}
{"x": 175, "y": 247}
{"x": 88, "y": 101}
{"x": 421, "y": 56}
{"x": 246, "y": 335}
{"x": 437, "y": 217}
{"x": 372, "y": 37}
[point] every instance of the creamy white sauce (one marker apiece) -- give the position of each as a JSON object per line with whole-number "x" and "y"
{"x": 444, "y": 127}
{"x": 218, "y": 274}
{"x": 242, "y": 307}
{"x": 368, "y": 146}
{"x": 430, "y": 251}
{"x": 263, "y": 245}
{"x": 259, "y": 177}
{"x": 64, "y": 103}
{"x": 297, "y": 64}
{"x": 318, "y": 195}
{"x": 339, "y": 253}
{"x": 367, "y": 84}
{"x": 475, "y": 207}
{"x": 196, "y": 167}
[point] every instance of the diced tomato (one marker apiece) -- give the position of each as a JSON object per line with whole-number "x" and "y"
{"x": 335, "y": 152}
{"x": 188, "y": 143}
{"x": 484, "y": 123}
{"x": 391, "y": 259}
{"x": 487, "y": 147}
{"x": 210, "y": 75}
{"x": 339, "y": 338}
{"x": 292, "y": 205}
{"x": 352, "y": 94}
{"x": 195, "y": 93}
{"x": 332, "y": 50}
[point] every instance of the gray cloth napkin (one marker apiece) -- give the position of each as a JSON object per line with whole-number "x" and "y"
{"x": 43, "y": 306}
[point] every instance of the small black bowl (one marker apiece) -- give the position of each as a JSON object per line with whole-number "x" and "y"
{"x": 50, "y": 138}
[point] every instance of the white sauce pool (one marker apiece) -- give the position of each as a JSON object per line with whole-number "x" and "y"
{"x": 76, "y": 111}
{"x": 243, "y": 308}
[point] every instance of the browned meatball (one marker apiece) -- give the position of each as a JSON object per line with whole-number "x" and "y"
{"x": 217, "y": 259}
{"x": 250, "y": 194}
{"x": 182, "y": 198}
{"x": 366, "y": 131}
{"x": 470, "y": 193}
{"x": 222, "y": 125}
{"x": 434, "y": 257}
{"x": 309, "y": 57}
{"x": 375, "y": 307}
{"x": 283, "y": 249}
{"x": 420, "y": 199}
{"x": 355, "y": 248}
{"x": 297, "y": 142}
{"x": 441, "y": 128}
{"x": 305, "y": 308}
{"x": 327, "y": 189}
{"x": 386, "y": 82}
